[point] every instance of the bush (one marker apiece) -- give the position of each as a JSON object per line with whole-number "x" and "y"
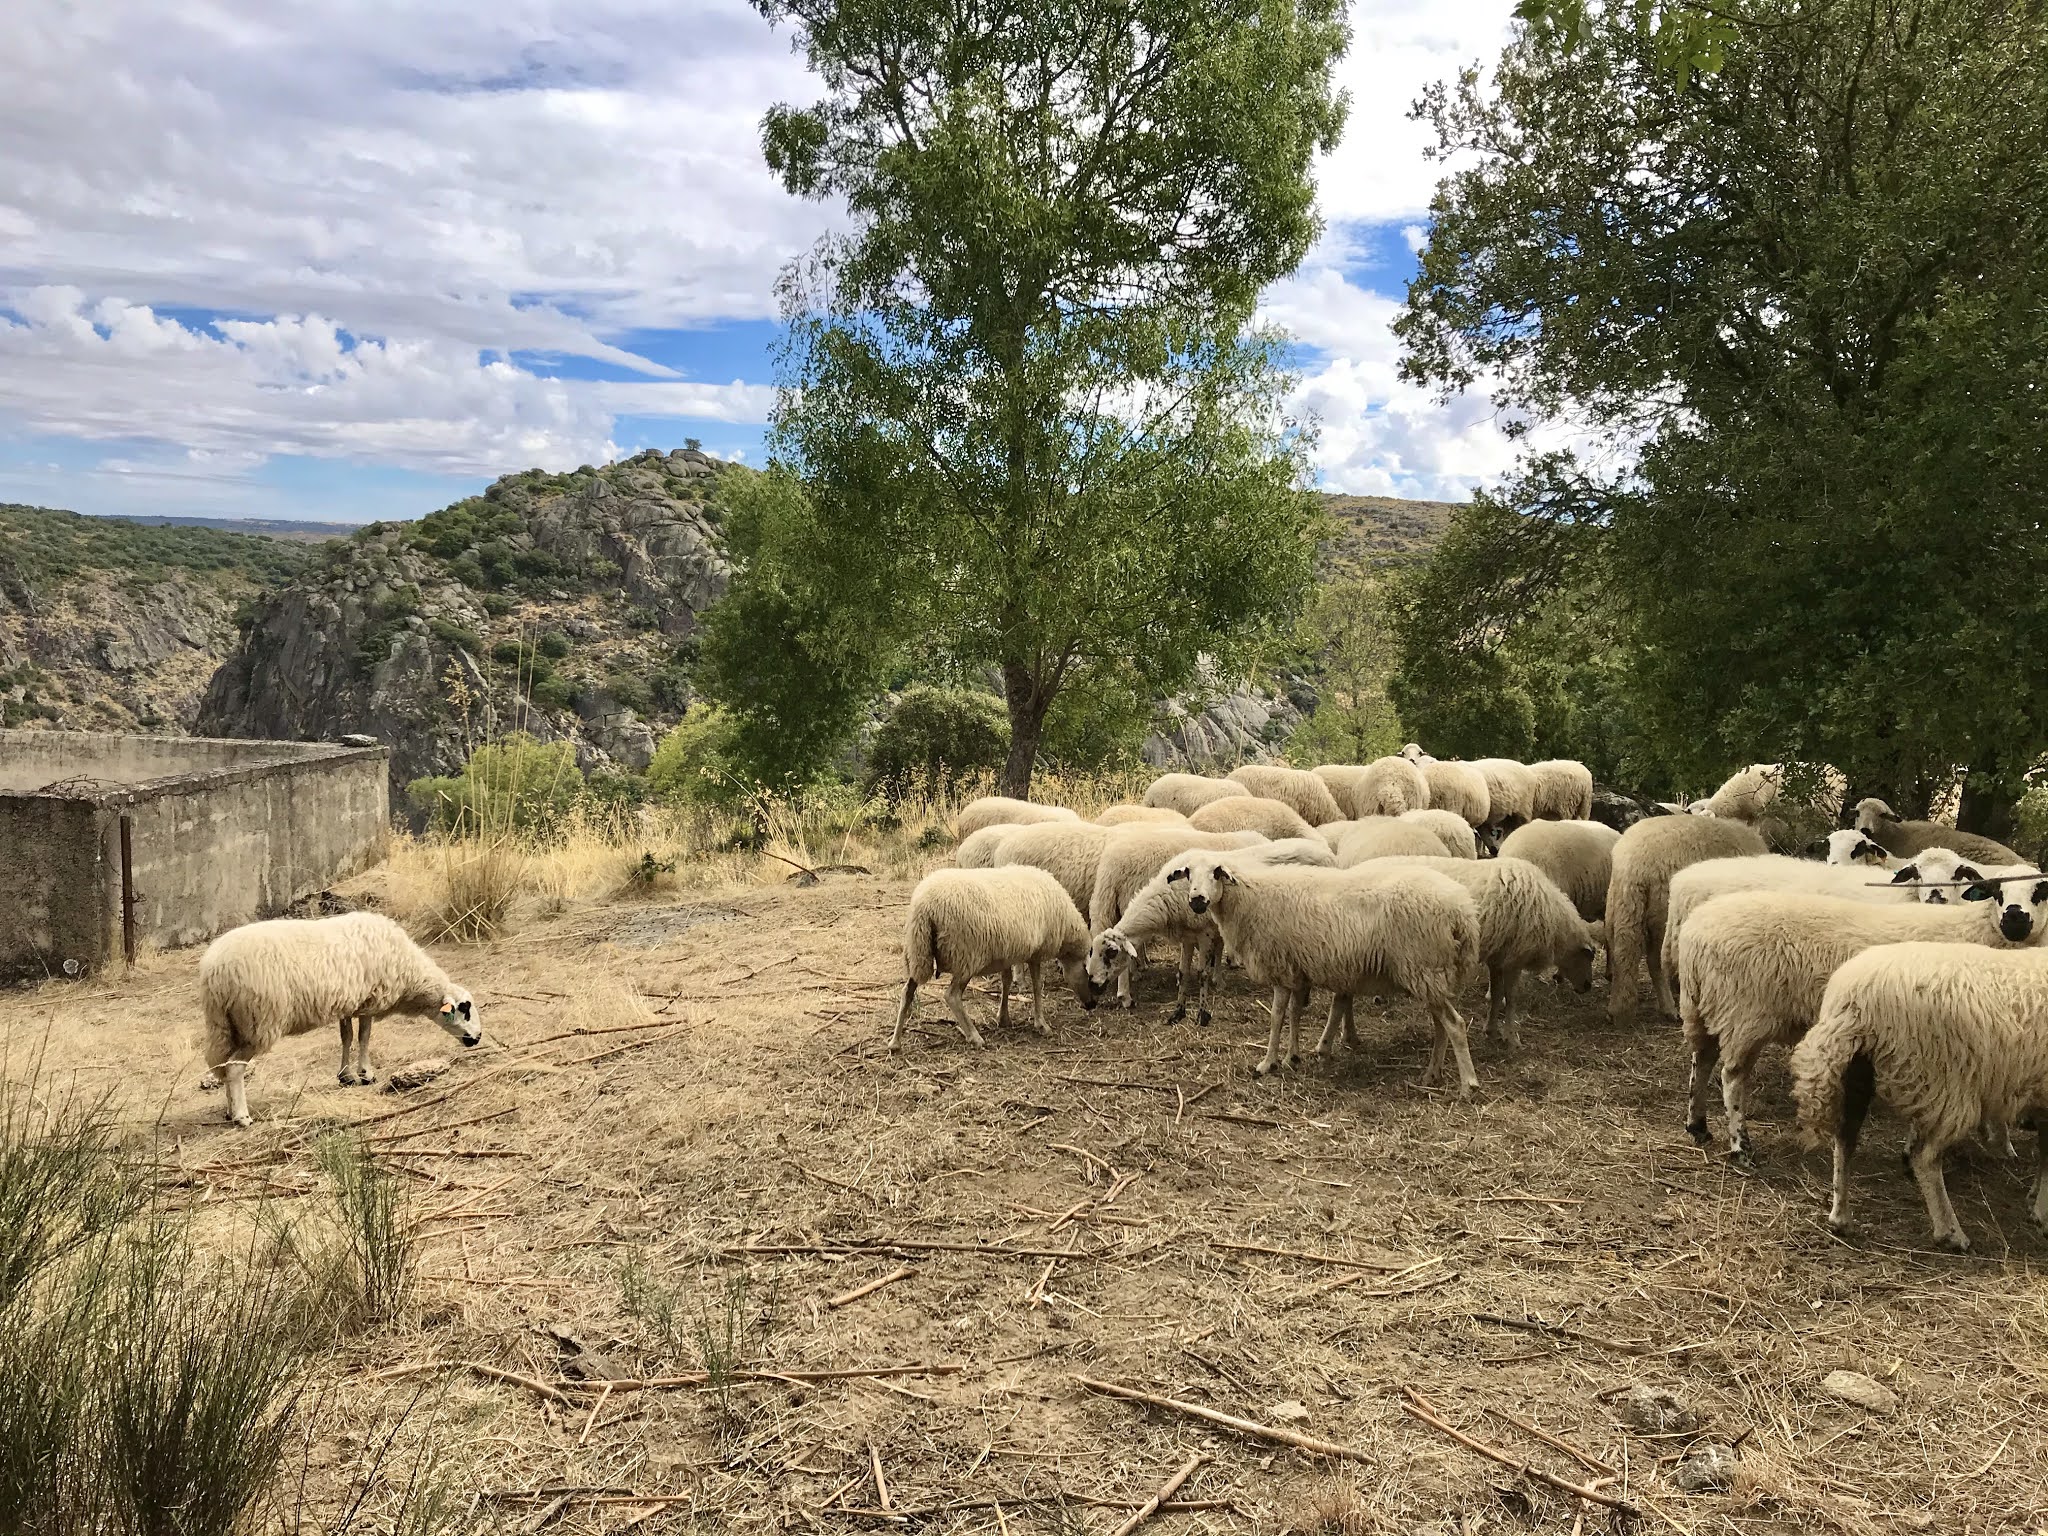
{"x": 693, "y": 764}
{"x": 518, "y": 785}
{"x": 478, "y": 886}
{"x": 554, "y": 645}
{"x": 935, "y": 737}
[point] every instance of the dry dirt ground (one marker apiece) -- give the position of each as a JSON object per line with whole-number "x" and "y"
{"x": 752, "y": 1152}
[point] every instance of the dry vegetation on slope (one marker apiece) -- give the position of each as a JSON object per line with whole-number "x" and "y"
{"x": 611, "y": 1185}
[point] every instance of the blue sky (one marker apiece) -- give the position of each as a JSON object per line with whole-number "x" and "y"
{"x": 350, "y": 259}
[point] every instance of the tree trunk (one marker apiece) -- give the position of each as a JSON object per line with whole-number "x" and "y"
{"x": 1987, "y": 807}
{"x": 1028, "y": 700}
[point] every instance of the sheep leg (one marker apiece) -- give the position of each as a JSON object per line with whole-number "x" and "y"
{"x": 347, "y": 1074}
{"x": 1294, "y": 1012}
{"x": 1450, "y": 1029}
{"x": 1187, "y": 972}
{"x": 1704, "y": 1057}
{"x": 1340, "y": 1005}
{"x": 1501, "y": 1001}
{"x": 235, "y": 1075}
{"x": 1838, "y": 1193}
{"x": 1735, "y": 1097}
{"x": 903, "y": 1012}
{"x": 365, "y": 1073}
{"x": 1660, "y": 982}
{"x": 1208, "y": 961}
{"x": 1003, "y": 1005}
{"x": 956, "y": 1004}
{"x": 1941, "y": 1215}
{"x": 1038, "y": 1019}
{"x": 2041, "y": 1173}
{"x": 1282, "y": 997}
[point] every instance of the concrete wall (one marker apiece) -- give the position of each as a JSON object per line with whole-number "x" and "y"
{"x": 257, "y": 826}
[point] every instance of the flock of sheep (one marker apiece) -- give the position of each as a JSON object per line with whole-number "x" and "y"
{"x": 1908, "y": 962}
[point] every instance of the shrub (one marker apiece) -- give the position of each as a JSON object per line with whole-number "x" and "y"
{"x": 692, "y": 765}
{"x": 554, "y": 645}
{"x": 454, "y": 634}
{"x": 933, "y": 737}
{"x": 516, "y": 785}
{"x": 478, "y": 885}
{"x": 378, "y": 1238}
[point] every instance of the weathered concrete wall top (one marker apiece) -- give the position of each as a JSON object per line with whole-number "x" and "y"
{"x": 31, "y": 761}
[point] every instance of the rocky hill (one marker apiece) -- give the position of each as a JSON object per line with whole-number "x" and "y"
{"x": 561, "y": 605}
{"x": 111, "y": 626}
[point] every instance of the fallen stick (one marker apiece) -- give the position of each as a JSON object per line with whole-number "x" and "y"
{"x": 479, "y": 1368}
{"x": 1236, "y": 1119}
{"x": 700, "y": 1378}
{"x": 1555, "y": 1442}
{"x": 428, "y": 1130}
{"x": 1525, "y": 1200}
{"x": 1166, "y": 1491}
{"x": 881, "y": 1482}
{"x": 620, "y": 1050}
{"x": 906, "y": 1245}
{"x": 449, "y": 1152}
{"x": 609, "y": 1029}
{"x": 1068, "y": 1146}
{"x": 1314, "y": 1258}
{"x": 1390, "y": 1290}
{"x": 845, "y": 1297}
{"x": 1112, "y": 1082}
{"x": 1417, "y": 1407}
{"x": 1251, "y": 1427}
{"x": 1558, "y": 1330}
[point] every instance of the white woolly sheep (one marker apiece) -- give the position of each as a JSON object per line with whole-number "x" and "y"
{"x": 1251, "y": 813}
{"x": 1853, "y": 847}
{"x": 1069, "y": 851}
{"x": 1343, "y": 780}
{"x": 1700, "y": 883}
{"x": 264, "y": 981}
{"x": 1385, "y": 837}
{"x": 1525, "y": 924}
{"x": 1460, "y": 789}
{"x": 1452, "y": 830}
{"x": 1308, "y": 795}
{"x": 1881, "y": 824}
{"x": 1564, "y": 790}
{"x": 1510, "y": 792}
{"x": 1332, "y": 832}
{"x": 1124, "y": 815}
{"x": 1752, "y": 967}
{"x": 977, "y": 850}
{"x": 1133, "y": 855}
{"x": 1577, "y": 855}
{"x": 1189, "y": 792}
{"x": 1645, "y": 858}
{"x": 1410, "y": 931}
{"x": 1954, "y": 1039}
{"x": 1002, "y": 811}
{"x": 1746, "y": 794}
{"x": 1414, "y": 754}
{"x": 968, "y": 923}
{"x": 1386, "y": 786}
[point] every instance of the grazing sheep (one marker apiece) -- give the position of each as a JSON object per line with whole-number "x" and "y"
{"x": 1159, "y": 909}
{"x": 1123, "y": 815}
{"x": 1645, "y": 858}
{"x": 1332, "y": 832}
{"x": 967, "y": 923}
{"x": 264, "y": 981}
{"x": 1460, "y": 789}
{"x": 1001, "y": 810}
{"x": 1881, "y": 824}
{"x": 1745, "y": 795}
{"x": 977, "y": 850}
{"x": 1411, "y": 931}
{"x": 1510, "y": 792}
{"x": 1752, "y": 967}
{"x": 1564, "y": 790}
{"x": 1132, "y": 856}
{"x": 1953, "y": 1038}
{"x": 1386, "y": 837}
{"x": 1343, "y": 780}
{"x": 1577, "y": 855}
{"x": 1189, "y": 792}
{"x": 1069, "y": 851}
{"x": 1852, "y": 847}
{"x": 1386, "y": 786}
{"x": 1525, "y": 924}
{"x": 1250, "y": 813}
{"x": 1308, "y": 795}
{"x": 1452, "y": 830}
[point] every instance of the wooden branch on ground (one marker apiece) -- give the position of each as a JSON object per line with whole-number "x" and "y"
{"x": 1558, "y": 1330}
{"x": 1113, "y": 1082}
{"x": 904, "y": 1245}
{"x": 1166, "y": 1491}
{"x": 1313, "y": 1258}
{"x": 1236, "y": 1119}
{"x": 1555, "y": 1442}
{"x": 429, "y": 1130}
{"x": 881, "y": 1483}
{"x": 1419, "y": 1407}
{"x": 845, "y": 1297}
{"x": 1250, "y": 1427}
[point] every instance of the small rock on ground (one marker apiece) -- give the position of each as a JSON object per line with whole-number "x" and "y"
{"x": 1656, "y": 1411}
{"x": 1855, "y": 1387}
{"x": 1708, "y": 1469}
{"x": 416, "y": 1074}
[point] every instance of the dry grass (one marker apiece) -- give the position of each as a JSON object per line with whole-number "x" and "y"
{"x": 744, "y": 1098}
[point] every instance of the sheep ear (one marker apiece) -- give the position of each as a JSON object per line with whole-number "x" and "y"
{"x": 2040, "y": 895}
{"x": 1225, "y": 875}
{"x": 1982, "y": 891}
{"x": 463, "y": 1008}
{"x": 1177, "y": 874}
{"x": 1967, "y": 872}
{"x": 1910, "y": 872}
{"x": 447, "y": 1005}
{"x": 1867, "y": 850}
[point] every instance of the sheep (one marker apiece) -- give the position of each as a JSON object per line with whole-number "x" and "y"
{"x": 967, "y": 923}
{"x": 1124, "y": 815}
{"x": 1308, "y": 795}
{"x": 1159, "y": 909}
{"x": 1070, "y": 851}
{"x": 1852, "y": 847}
{"x": 1414, "y": 754}
{"x": 1564, "y": 790}
{"x": 1000, "y": 810}
{"x": 1753, "y": 965}
{"x": 1453, "y": 831}
{"x": 1332, "y": 832}
{"x": 1645, "y": 858}
{"x": 1250, "y": 813}
{"x": 1525, "y": 924}
{"x": 1402, "y": 930}
{"x": 1132, "y": 856}
{"x": 1744, "y": 795}
{"x": 1386, "y": 786}
{"x": 1510, "y": 791}
{"x": 1881, "y": 824}
{"x": 1343, "y": 780}
{"x": 1385, "y": 837}
{"x": 1189, "y": 792}
{"x": 264, "y": 981}
{"x": 1953, "y": 1038}
{"x": 1460, "y": 789}
{"x": 1577, "y": 855}
{"x": 977, "y": 850}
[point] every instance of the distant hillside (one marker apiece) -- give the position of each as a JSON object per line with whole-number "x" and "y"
{"x": 1380, "y": 531}
{"x": 114, "y": 625}
{"x": 263, "y": 527}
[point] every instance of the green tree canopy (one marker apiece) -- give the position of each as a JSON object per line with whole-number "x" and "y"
{"x": 1806, "y": 297}
{"x": 1031, "y": 424}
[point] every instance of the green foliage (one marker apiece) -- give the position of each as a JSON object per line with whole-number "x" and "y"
{"x": 379, "y": 1239}
{"x": 31, "y": 706}
{"x": 1831, "y": 526}
{"x": 554, "y": 644}
{"x": 1347, "y": 637}
{"x": 1035, "y": 429}
{"x": 694, "y": 764}
{"x": 44, "y": 545}
{"x": 455, "y": 635}
{"x": 1683, "y": 36}
{"x": 1098, "y": 722}
{"x": 933, "y": 737}
{"x": 517, "y": 785}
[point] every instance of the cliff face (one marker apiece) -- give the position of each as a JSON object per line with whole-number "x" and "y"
{"x": 561, "y": 605}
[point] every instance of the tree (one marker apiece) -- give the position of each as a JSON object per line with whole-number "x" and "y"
{"x": 1023, "y": 396}
{"x": 1808, "y": 294}
{"x": 933, "y": 738}
{"x": 1348, "y": 634}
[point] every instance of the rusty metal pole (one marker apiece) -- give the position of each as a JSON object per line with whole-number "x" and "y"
{"x": 128, "y": 891}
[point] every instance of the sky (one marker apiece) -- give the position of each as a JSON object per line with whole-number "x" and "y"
{"x": 354, "y": 259}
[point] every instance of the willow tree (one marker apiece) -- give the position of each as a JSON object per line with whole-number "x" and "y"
{"x": 1034, "y": 426}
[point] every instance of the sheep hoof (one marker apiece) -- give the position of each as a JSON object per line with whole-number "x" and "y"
{"x": 1180, "y": 1011}
{"x": 366, "y": 1077}
{"x": 1202, "y": 1018}
{"x": 1955, "y": 1242}
{"x": 242, "y": 1120}
{"x": 1263, "y": 1069}
{"x": 346, "y": 1077}
{"x": 1697, "y": 1130}
{"x": 1126, "y": 1002}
